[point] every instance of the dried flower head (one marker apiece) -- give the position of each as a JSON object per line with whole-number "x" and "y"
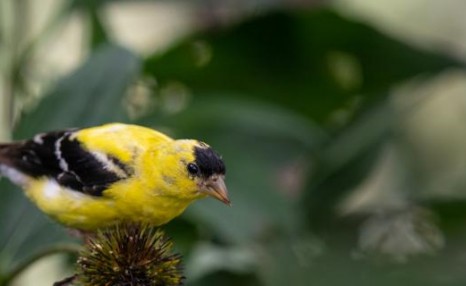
{"x": 128, "y": 254}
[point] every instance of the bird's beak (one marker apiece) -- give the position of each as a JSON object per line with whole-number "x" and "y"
{"x": 216, "y": 188}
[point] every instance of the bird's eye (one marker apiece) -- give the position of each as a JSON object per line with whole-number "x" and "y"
{"x": 193, "y": 169}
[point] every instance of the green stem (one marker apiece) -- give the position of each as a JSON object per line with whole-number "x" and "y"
{"x": 6, "y": 33}
{"x": 5, "y": 110}
{"x": 62, "y": 248}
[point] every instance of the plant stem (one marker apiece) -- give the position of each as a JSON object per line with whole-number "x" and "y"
{"x": 5, "y": 110}
{"x": 6, "y": 24}
{"x": 62, "y": 248}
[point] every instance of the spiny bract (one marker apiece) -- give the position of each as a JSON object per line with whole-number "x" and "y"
{"x": 129, "y": 254}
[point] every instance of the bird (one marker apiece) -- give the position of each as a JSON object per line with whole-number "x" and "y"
{"x": 95, "y": 177}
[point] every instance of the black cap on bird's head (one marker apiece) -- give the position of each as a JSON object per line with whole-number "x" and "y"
{"x": 209, "y": 162}
{"x": 209, "y": 167}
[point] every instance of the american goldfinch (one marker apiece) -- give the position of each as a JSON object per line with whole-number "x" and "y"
{"x": 96, "y": 177}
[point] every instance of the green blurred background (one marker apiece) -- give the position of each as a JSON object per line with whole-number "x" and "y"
{"x": 341, "y": 124}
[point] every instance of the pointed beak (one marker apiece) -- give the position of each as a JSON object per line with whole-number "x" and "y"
{"x": 216, "y": 188}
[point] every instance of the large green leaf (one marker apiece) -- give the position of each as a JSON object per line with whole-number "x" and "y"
{"x": 314, "y": 62}
{"x": 91, "y": 95}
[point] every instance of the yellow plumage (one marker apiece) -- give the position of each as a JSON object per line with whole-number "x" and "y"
{"x": 153, "y": 178}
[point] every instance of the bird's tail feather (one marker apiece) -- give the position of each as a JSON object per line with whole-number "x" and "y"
{"x": 3, "y": 147}
{"x": 2, "y": 158}
{"x": 7, "y": 168}
{"x": 3, "y": 151}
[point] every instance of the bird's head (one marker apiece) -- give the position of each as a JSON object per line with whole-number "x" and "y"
{"x": 194, "y": 170}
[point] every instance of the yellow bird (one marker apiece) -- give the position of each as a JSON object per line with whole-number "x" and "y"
{"x": 96, "y": 177}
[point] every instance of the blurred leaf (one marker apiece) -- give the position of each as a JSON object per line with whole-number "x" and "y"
{"x": 345, "y": 161}
{"x": 24, "y": 230}
{"x": 304, "y": 60}
{"x": 92, "y": 9}
{"x": 184, "y": 234}
{"x": 208, "y": 258}
{"x": 243, "y": 115}
{"x": 280, "y": 264}
{"x": 91, "y": 95}
{"x": 99, "y": 34}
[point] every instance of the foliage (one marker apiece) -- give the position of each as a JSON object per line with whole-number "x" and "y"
{"x": 298, "y": 104}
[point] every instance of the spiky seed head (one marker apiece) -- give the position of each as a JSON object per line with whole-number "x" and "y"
{"x": 129, "y": 254}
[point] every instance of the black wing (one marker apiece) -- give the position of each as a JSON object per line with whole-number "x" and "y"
{"x": 57, "y": 155}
